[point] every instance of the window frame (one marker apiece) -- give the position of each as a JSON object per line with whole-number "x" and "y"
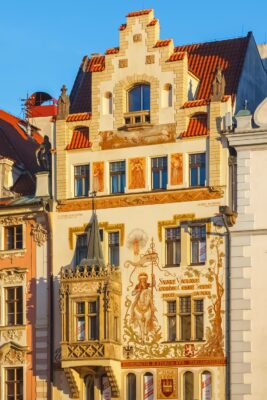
{"x": 121, "y": 177}
{"x": 14, "y": 237}
{"x": 82, "y": 177}
{"x": 142, "y": 99}
{"x": 171, "y": 315}
{"x": 199, "y": 241}
{"x": 87, "y": 314}
{"x": 197, "y": 165}
{"x": 160, "y": 170}
{"x": 18, "y": 316}
{"x": 175, "y": 242}
{"x": 15, "y": 382}
{"x": 183, "y": 316}
{"x": 197, "y": 314}
{"x": 114, "y": 247}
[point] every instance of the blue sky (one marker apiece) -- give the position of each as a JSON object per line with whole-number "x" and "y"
{"x": 42, "y": 43}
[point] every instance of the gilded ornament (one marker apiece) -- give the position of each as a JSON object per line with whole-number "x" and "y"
{"x": 39, "y": 234}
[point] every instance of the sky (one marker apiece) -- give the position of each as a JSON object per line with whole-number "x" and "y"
{"x": 42, "y": 43}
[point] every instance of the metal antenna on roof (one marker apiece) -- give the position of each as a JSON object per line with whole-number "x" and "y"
{"x": 245, "y": 105}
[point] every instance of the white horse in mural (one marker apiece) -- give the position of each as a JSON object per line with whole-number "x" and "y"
{"x": 143, "y": 310}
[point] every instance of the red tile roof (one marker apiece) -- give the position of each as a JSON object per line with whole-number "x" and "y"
{"x": 153, "y": 22}
{"x": 79, "y": 117}
{"x": 203, "y": 102}
{"x": 79, "y": 140}
{"x": 19, "y": 145}
{"x": 177, "y": 56}
{"x": 197, "y": 126}
{"x": 113, "y": 50}
{"x": 138, "y": 13}
{"x": 204, "y": 58}
{"x": 163, "y": 43}
{"x": 123, "y": 27}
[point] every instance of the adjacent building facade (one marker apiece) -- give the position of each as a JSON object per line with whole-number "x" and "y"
{"x": 248, "y": 261}
{"x": 142, "y": 305}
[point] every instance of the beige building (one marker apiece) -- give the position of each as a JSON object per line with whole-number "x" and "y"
{"x": 140, "y": 284}
{"x": 249, "y": 257}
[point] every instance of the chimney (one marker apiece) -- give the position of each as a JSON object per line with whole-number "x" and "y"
{"x": 42, "y": 184}
{"x": 243, "y": 119}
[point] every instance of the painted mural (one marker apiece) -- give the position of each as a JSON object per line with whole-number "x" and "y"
{"x": 137, "y": 171}
{"x": 177, "y": 169}
{"x": 98, "y": 176}
{"x": 149, "y": 285}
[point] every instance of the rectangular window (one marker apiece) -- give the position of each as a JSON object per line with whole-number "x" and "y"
{"x": 171, "y": 320}
{"x": 117, "y": 177}
{"x": 13, "y": 237}
{"x": 14, "y": 383}
{"x": 81, "y": 248}
{"x": 197, "y": 167}
{"x": 199, "y": 320}
{"x": 198, "y": 244}
{"x": 114, "y": 248}
{"x": 185, "y": 318}
{"x": 14, "y": 306}
{"x": 159, "y": 172}
{"x": 173, "y": 246}
{"x": 81, "y": 180}
{"x": 86, "y": 320}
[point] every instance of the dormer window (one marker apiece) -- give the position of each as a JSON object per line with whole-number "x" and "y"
{"x": 138, "y": 105}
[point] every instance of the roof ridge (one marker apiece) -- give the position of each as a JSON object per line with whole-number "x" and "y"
{"x": 214, "y": 41}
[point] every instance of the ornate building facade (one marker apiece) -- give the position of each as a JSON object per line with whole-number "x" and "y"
{"x": 142, "y": 132}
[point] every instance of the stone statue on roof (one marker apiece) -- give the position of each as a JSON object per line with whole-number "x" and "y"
{"x": 43, "y": 155}
{"x": 63, "y": 106}
{"x": 218, "y": 85}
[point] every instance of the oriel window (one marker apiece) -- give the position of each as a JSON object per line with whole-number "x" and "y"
{"x": 14, "y": 305}
{"x": 81, "y": 180}
{"x": 86, "y": 320}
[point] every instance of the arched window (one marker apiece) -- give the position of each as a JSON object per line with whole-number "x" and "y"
{"x": 206, "y": 386}
{"x": 167, "y": 95}
{"x": 107, "y": 103}
{"x": 89, "y": 387}
{"x": 139, "y": 98}
{"x": 148, "y": 386}
{"x": 188, "y": 386}
{"x": 131, "y": 387}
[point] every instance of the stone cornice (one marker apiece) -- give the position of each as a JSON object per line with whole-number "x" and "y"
{"x": 254, "y": 137}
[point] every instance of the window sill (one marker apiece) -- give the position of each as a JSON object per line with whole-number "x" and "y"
{"x": 12, "y": 253}
{"x": 197, "y": 264}
{"x": 171, "y": 265}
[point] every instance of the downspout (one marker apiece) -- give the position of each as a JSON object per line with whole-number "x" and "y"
{"x": 225, "y": 217}
{"x": 50, "y": 293}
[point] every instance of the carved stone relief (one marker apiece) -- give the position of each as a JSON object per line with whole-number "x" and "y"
{"x": 12, "y": 276}
{"x": 12, "y": 334}
{"x": 137, "y": 37}
{"x": 39, "y": 234}
{"x": 123, "y": 63}
{"x": 150, "y": 59}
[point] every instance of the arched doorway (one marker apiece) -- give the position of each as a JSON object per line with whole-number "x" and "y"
{"x": 89, "y": 387}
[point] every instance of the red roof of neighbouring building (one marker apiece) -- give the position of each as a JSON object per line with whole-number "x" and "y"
{"x": 20, "y": 146}
{"x": 198, "y": 126}
{"x": 78, "y": 117}
{"x": 79, "y": 140}
{"x": 139, "y": 13}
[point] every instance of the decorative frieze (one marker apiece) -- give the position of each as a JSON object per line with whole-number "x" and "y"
{"x": 12, "y": 276}
{"x": 12, "y": 334}
{"x": 11, "y": 220}
{"x": 11, "y": 354}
